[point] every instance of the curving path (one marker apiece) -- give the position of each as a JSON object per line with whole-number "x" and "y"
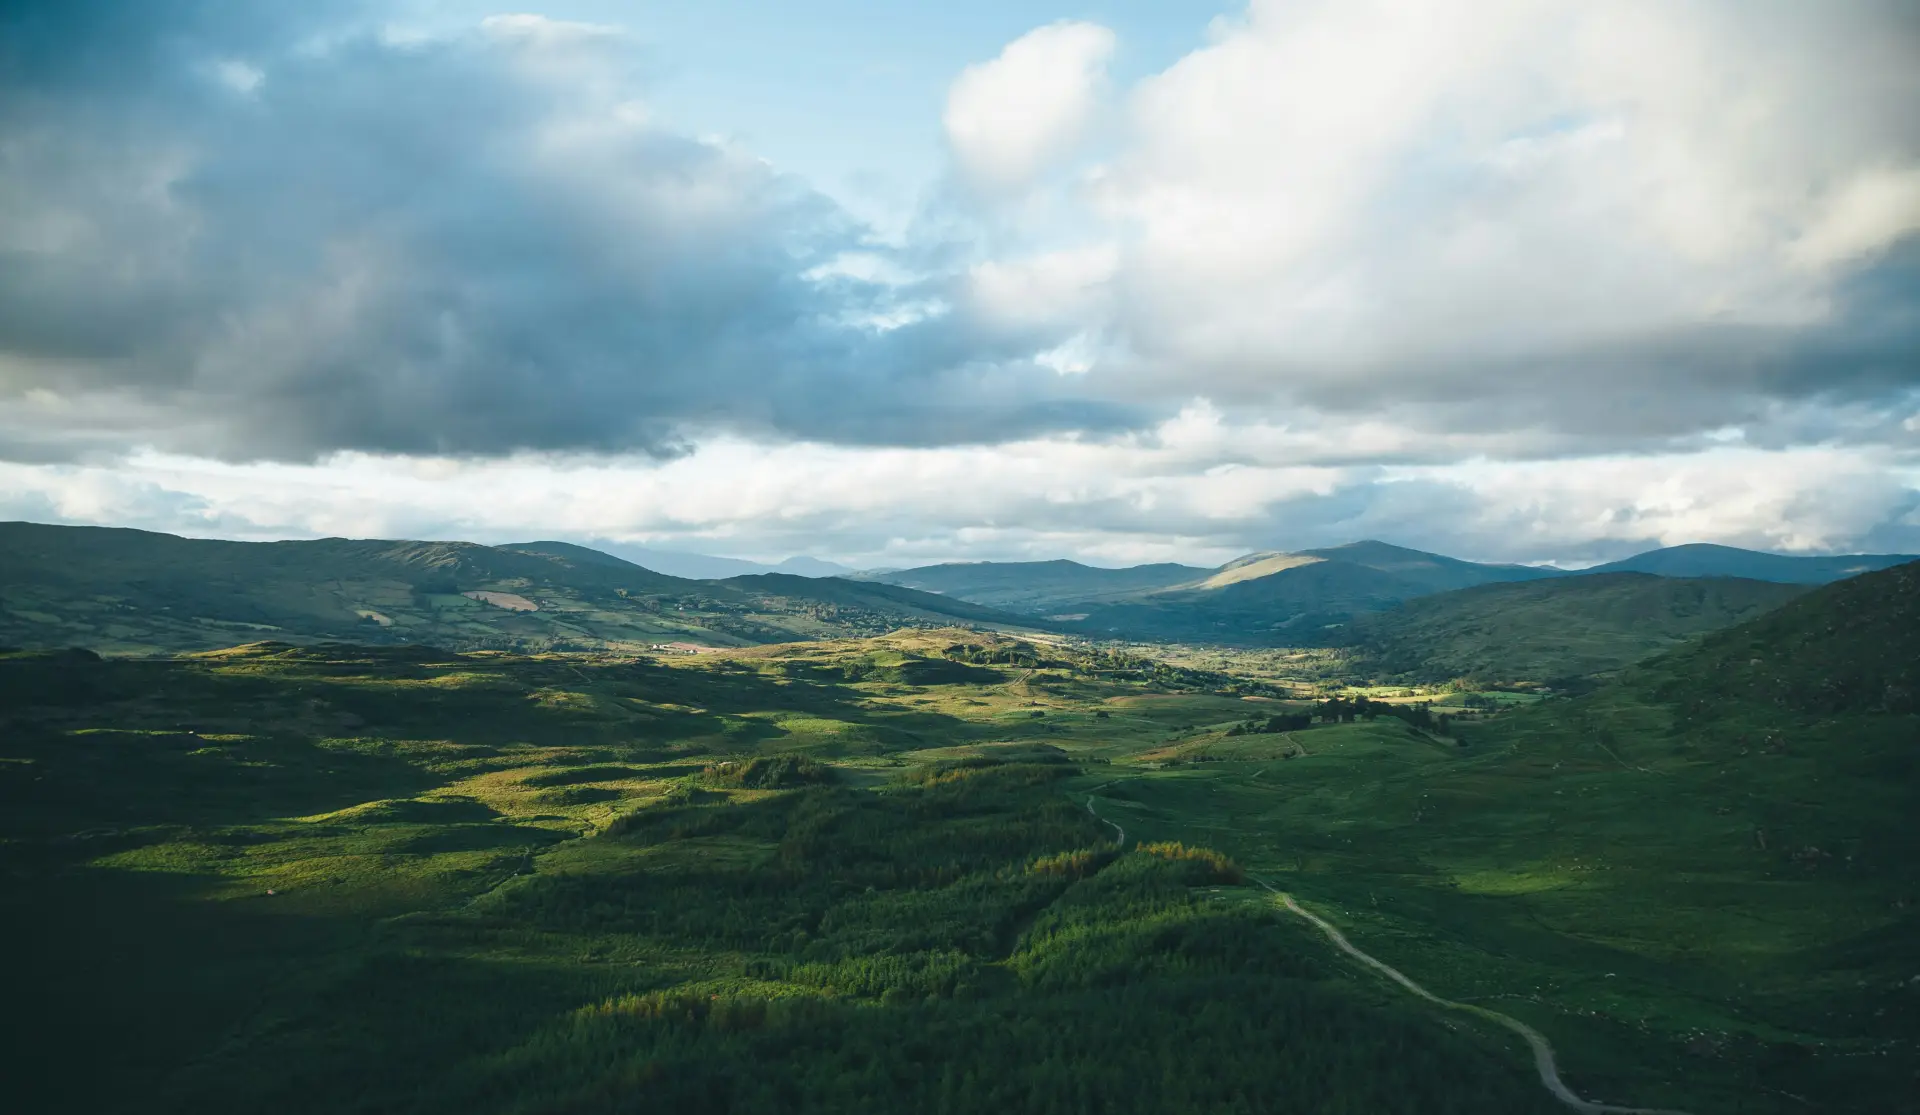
{"x": 1120, "y": 834}
{"x": 1543, "y": 1060}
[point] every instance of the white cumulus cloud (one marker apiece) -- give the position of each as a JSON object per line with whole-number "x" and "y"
{"x": 1011, "y": 118}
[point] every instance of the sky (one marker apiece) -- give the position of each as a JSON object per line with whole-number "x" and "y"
{"x": 893, "y": 283}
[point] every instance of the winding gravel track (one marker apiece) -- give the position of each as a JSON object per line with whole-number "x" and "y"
{"x": 1543, "y": 1060}
{"x": 1120, "y": 834}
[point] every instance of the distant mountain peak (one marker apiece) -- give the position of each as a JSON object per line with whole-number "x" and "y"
{"x": 1708, "y": 559}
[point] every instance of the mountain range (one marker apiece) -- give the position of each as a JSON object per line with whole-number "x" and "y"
{"x": 138, "y": 591}
{"x": 708, "y": 567}
{"x": 1702, "y": 559}
{"x": 1298, "y": 597}
{"x": 135, "y": 591}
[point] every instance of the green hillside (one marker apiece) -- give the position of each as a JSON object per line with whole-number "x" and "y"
{"x": 1424, "y": 571}
{"x": 884, "y": 875}
{"x": 1701, "y": 882}
{"x": 1281, "y": 599}
{"x": 130, "y": 591}
{"x": 1037, "y": 587}
{"x": 867, "y": 596}
{"x": 397, "y": 879}
{"x": 1705, "y": 560}
{"x": 577, "y": 555}
{"x": 1289, "y": 606}
{"x": 1547, "y": 630}
{"x": 1851, "y": 648}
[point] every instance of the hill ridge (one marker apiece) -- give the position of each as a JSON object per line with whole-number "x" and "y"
{"x": 126, "y": 590}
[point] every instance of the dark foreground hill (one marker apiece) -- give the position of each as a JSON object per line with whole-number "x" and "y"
{"x": 1550, "y": 630}
{"x": 1851, "y": 647}
{"x": 1784, "y": 751}
{"x": 1701, "y": 881}
{"x": 138, "y": 591}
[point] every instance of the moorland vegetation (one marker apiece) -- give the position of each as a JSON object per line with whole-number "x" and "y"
{"x": 402, "y": 879}
{"x": 958, "y": 870}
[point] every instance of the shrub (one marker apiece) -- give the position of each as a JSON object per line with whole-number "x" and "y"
{"x": 1077, "y": 864}
{"x": 1208, "y": 866}
{"x": 769, "y": 772}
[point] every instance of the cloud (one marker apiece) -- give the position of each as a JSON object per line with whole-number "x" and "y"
{"x": 1024, "y": 111}
{"x": 1633, "y": 218}
{"x": 1871, "y": 210}
{"x": 1513, "y": 279}
{"x": 1198, "y": 487}
{"x": 476, "y": 243}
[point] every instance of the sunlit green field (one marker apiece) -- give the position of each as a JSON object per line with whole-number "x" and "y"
{"x": 398, "y": 879}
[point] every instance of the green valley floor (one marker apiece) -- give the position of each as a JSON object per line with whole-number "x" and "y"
{"x": 863, "y": 875}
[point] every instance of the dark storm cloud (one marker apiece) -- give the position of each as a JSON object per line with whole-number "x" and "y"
{"x": 279, "y": 246}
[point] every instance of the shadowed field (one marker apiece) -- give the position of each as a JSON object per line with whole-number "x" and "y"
{"x": 862, "y": 874}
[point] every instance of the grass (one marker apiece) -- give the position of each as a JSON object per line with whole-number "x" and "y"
{"x": 1698, "y": 882}
{"x": 136, "y": 592}
{"x": 397, "y": 879}
{"x": 1551, "y": 630}
{"x": 840, "y": 875}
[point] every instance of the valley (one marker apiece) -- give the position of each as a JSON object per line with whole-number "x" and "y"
{"x": 867, "y": 558}
{"x": 339, "y": 872}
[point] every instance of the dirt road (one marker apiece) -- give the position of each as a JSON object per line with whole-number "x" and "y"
{"x": 1543, "y": 1060}
{"x": 1120, "y": 834}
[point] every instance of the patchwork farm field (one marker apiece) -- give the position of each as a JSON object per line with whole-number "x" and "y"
{"x": 880, "y": 874}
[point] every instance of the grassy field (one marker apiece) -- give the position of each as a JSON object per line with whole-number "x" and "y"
{"x": 1699, "y": 881}
{"x": 399, "y": 879}
{"x": 863, "y": 874}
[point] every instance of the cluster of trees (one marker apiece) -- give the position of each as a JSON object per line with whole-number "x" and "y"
{"x": 1278, "y": 722}
{"x": 768, "y": 772}
{"x": 1345, "y": 710}
{"x": 1117, "y": 665}
{"x": 1023, "y": 654}
{"x": 1125, "y": 665}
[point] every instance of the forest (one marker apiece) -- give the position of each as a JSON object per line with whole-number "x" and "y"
{"x": 958, "y": 871}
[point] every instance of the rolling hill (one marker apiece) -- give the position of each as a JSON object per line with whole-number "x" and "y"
{"x": 1848, "y": 648}
{"x": 1280, "y": 598}
{"x": 772, "y": 589}
{"x": 131, "y": 591}
{"x": 705, "y": 567}
{"x": 1704, "y": 560}
{"x": 1037, "y": 587}
{"x": 1698, "y": 880}
{"x": 400, "y": 879}
{"x": 1304, "y": 597}
{"x": 348, "y": 877}
{"x": 1553, "y": 629}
